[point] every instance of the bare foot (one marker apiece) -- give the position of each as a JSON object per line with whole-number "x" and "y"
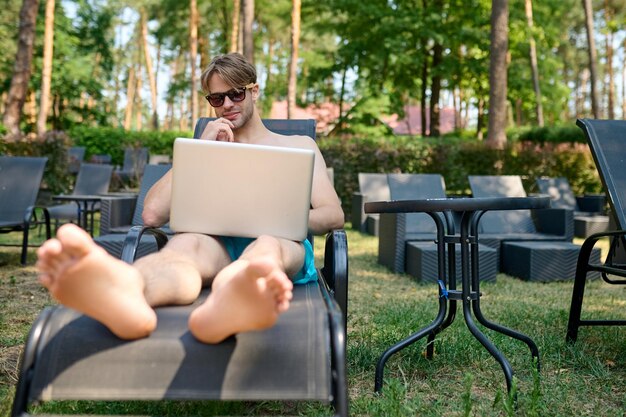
{"x": 81, "y": 275}
{"x": 248, "y": 296}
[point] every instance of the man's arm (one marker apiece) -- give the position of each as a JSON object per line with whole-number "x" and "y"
{"x": 326, "y": 213}
{"x": 156, "y": 206}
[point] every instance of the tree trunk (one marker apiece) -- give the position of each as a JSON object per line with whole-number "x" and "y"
{"x": 149, "y": 71}
{"x": 423, "y": 91}
{"x": 592, "y": 57}
{"x": 193, "y": 55}
{"x": 435, "y": 90}
{"x": 234, "y": 30}
{"x": 533, "y": 62}
{"x": 138, "y": 103}
{"x": 608, "y": 13}
{"x": 293, "y": 64}
{"x": 496, "y": 135}
{"x": 22, "y": 67}
{"x": 130, "y": 98}
{"x": 248, "y": 38}
{"x": 46, "y": 72}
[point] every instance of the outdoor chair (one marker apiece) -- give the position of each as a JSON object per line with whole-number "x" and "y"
{"x": 75, "y": 156}
{"x": 534, "y": 246}
{"x": 100, "y": 159}
{"x": 20, "y": 179}
{"x": 372, "y": 187}
{"x": 119, "y": 213}
{"x": 135, "y": 160}
{"x": 607, "y": 141}
{"x": 406, "y": 241}
{"x": 92, "y": 179}
{"x": 302, "y": 357}
{"x": 589, "y": 216}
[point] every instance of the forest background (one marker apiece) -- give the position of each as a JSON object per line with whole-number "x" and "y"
{"x": 504, "y": 68}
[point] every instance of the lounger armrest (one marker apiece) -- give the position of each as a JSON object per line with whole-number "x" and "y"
{"x": 592, "y": 203}
{"x": 116, "y": 212}
{"x": 555, "y": 221}
{"x": 133, "y": 237}
{"x": 359, "y": 218}
{"x": 335, "y": 269}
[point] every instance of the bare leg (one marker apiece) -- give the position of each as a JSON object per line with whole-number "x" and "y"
{"x": 250, "y": 293}
{"x": 81, "y": 275}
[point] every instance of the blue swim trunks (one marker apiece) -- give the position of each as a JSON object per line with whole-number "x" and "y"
{"x": 308, "y": 273}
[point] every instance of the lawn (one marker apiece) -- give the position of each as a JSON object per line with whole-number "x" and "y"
{"x": 586, "y": 379}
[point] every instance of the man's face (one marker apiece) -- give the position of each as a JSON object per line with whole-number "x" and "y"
{"x": 238, "y": 113}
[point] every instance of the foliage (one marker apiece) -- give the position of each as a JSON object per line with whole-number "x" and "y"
{"x": 112, "y": 141}
{"x": 53, "y": 145}
{"x": 455, "y": 159}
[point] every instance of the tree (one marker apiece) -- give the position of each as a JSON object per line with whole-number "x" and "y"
{"x": 22, "y": 67}
{"x": 193, "y": 56}
{"x": 591, "y": 44}
{"x": 533, "y": 61}
{"x": 234, "y": 31}
{"x": 46, "y": 73}
{"x": 293, "y": 65}
{"x": 149, "y": 70}
{"x": 248, "y": 37}
{"x": 496, "y": 135}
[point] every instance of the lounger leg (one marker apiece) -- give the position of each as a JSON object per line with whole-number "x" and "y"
{"x": 579, "y": 291}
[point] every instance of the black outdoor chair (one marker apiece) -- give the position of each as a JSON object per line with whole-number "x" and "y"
{"x": 20, "y": 179}
{"x": 92, "y": 179}
{"x": 302, "y": 357}
{"x": 75, "y": 156}
{"x": 135, "y": 160}
{"x": 119, "y": 213}
{"x": 372, "y": 187}
{"x": 406, "y": 241}
{"x": 607, "y": 141}
{"x": 534, "y": 245}
{"x": 589, "y": 216}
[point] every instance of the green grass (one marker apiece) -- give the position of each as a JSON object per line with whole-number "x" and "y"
{"x": 462, "y": 379}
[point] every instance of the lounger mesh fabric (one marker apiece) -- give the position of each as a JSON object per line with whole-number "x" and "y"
{"x": 172, "y": 364}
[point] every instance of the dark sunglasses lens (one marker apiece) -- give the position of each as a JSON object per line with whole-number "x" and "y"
{"x": 217, "y": 99}
{"x": 237, "y": 96}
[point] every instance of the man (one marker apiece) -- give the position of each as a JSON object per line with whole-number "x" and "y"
{"x": 251, "y": 279}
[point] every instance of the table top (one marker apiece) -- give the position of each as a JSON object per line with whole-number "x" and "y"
{"x": 78, "y": 197}
{"x": 457, "y": 204}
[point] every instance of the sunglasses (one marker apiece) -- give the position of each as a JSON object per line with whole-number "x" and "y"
{"x": 235, "y": 95}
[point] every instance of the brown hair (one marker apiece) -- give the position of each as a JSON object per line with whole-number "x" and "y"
{"x": 233, "y": 68}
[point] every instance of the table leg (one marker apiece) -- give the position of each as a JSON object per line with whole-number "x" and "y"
{"x": 534, "y": 350}
{"x": 468, "y": 292}
{"x": 380, "y": 366}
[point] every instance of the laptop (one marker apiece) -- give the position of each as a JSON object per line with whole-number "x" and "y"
{"x": 234, "y": 189}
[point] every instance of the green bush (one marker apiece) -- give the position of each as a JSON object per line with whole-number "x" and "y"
{"x": 54, "y": 145}
{"x": 455, "y": 159}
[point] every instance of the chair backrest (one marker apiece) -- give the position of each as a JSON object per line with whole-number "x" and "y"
{"x": 100, "y": 158}
{"x": 135, "y": 160}
{"x": 304, "y": 127}
{"x": 151, "y": 174}
{"x": 75, "y": 156}
{"x": 20, "y": 179}
{"x": 607, "y": 141}
{"x": 374, "y": 186}
{"x": 559, "y": 190}
{"x": 510, "y": 221}
{"x": 93, "y": 179}
{"x": 417, "y": 186}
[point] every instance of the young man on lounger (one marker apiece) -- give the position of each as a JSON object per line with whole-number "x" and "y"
{"x": 251, "y": 279}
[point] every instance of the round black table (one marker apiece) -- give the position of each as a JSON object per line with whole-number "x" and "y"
{"x": 86, "y": 205}
{"x": 470, "y": 211}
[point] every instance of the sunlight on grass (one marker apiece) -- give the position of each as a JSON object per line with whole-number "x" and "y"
{"x": 582, "y": 379}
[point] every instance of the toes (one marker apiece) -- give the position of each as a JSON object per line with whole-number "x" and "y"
{"x": 76, "y": 242}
